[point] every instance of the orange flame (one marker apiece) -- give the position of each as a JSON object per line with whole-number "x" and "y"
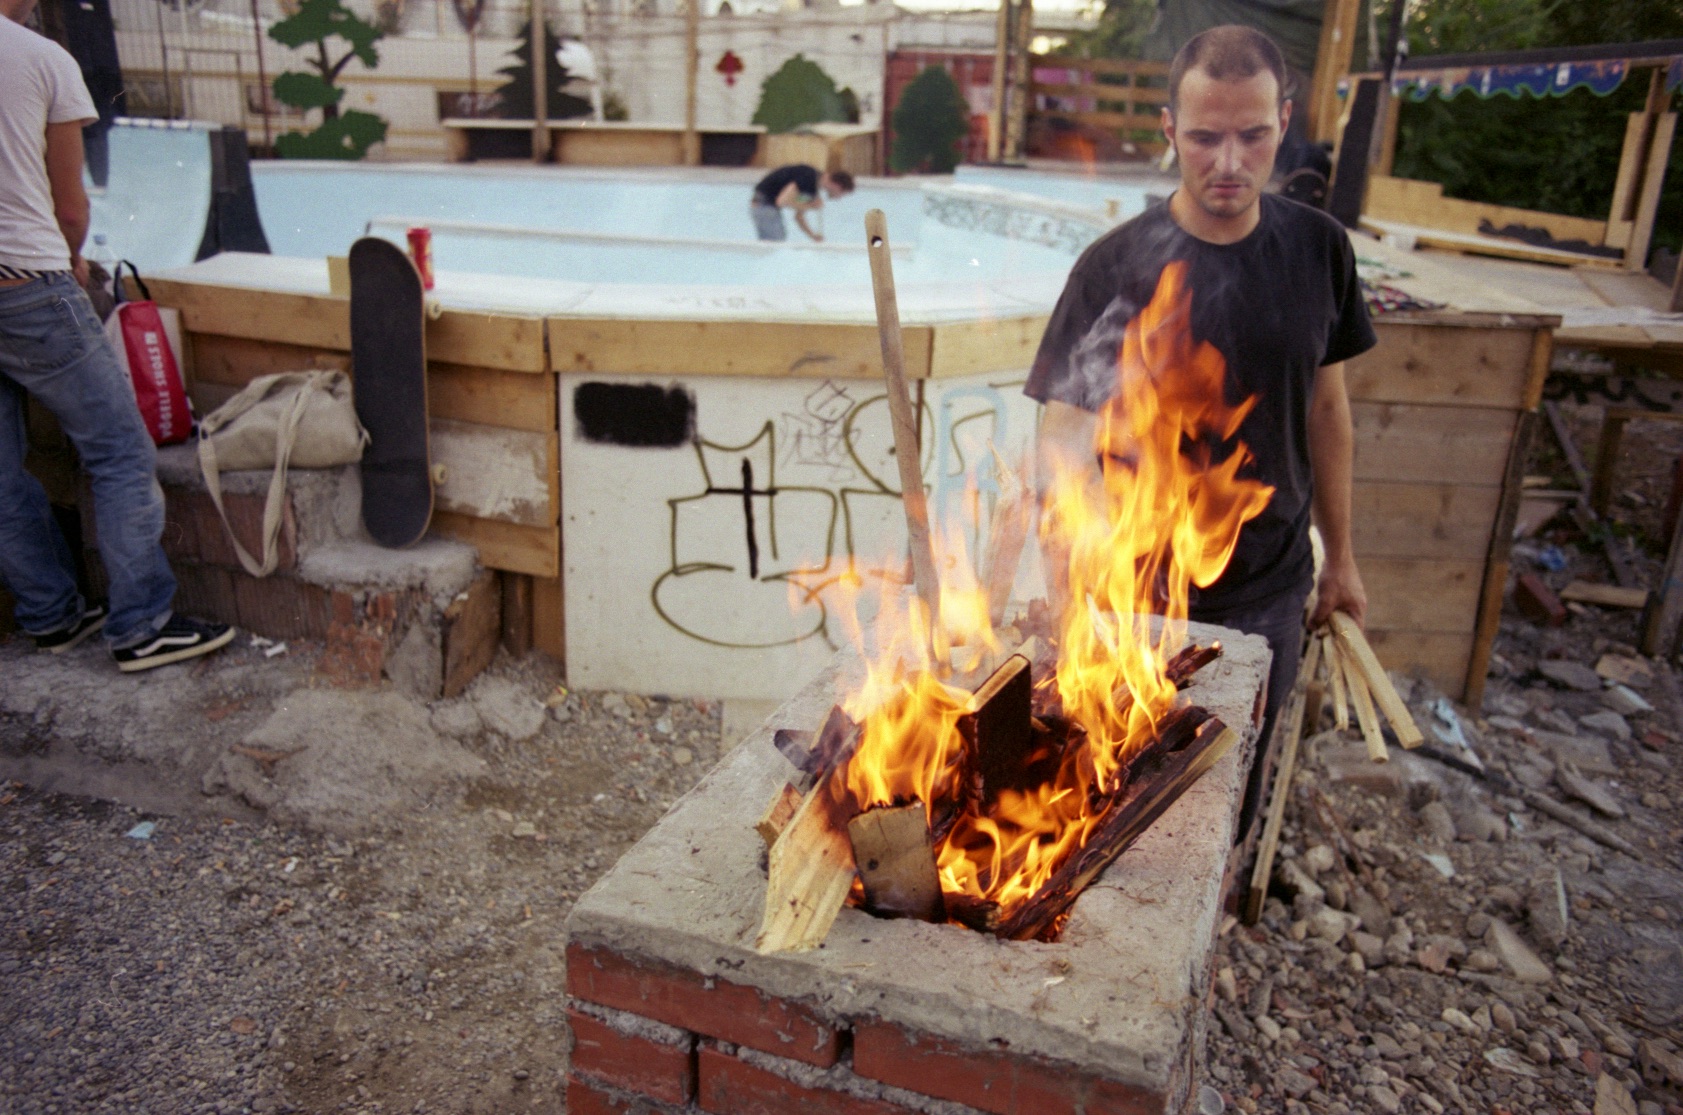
{"x": 1165, "y": 516}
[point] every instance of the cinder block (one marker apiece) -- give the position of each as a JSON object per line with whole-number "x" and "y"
{"x": 714, "y": 1007}
{"x": 1002, "y": 1083}
{"x": 637, "y": 1064}
{"x": 731, "y": 1086}
{"x": 280, "y": 607}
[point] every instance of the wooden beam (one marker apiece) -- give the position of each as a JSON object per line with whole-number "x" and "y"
{"x": 904, "y": 420}
{"x": 1400, "y": 443}
{"x": 1332, "y": 62}
{"x": 1354, "y": 649}
{"x": 472, "y": 624}
{"x": 996, "y": 727}
{"x": 492, "y": 397}
{"x": 1427, "y": 364}
{"x": 1496, "y": 561}
{"x": 1606, "y": 596}
{"x": 784, "y": 804}
{"x": 692, "y": 64}
{"x": 1653, "y": 180}
{"x": 896, "y": 861}
{"x": 993, "y": 344}
{"x": 731, "y": 348}
{"x": 1001, "y": 57}
{"x": 517, "y": 614}
{"x": 549, "y": 627}
{"x": 809, "y": 873}
{"x": 514, "y": 547}
{"x": 540, "y": 83}
{"x": 1288, "y": 727}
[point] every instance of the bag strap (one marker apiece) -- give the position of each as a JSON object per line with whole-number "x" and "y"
{"x": 117, "y": 282}
{"x": 286, "y": 435}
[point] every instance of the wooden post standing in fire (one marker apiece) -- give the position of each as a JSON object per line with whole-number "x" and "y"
{"x": 903, "y": 417}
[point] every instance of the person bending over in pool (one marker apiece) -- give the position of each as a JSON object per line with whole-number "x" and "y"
{"x": 797, "y": 188}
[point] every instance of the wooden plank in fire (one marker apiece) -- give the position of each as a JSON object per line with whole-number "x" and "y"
{"x": 896, "y": 861}
{"x": 1147, "y": 799}
{"x": 779, "y": 812}
{"x": 996, "y": 727}
{"x": 810, "y": 871}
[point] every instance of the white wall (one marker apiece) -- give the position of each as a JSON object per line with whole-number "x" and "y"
{"x": 659, "y": 593}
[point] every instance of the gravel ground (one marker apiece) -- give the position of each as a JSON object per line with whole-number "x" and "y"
{"x": 227, "y": 966}
{"x": 374, "y": 923}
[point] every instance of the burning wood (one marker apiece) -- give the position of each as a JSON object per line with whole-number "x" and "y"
{"x": 1028, "y": 787}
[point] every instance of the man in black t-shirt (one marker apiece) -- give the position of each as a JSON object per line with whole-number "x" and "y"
{"x": 799, "y": 188}
{"x": 1273, "y": 287}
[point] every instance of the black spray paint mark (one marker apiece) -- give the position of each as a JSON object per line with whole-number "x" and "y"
{"x": 748, "y": 517}
{"x": 637, "y": 415}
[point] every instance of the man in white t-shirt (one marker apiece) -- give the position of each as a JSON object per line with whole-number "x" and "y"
{"x": 53, "y": 348}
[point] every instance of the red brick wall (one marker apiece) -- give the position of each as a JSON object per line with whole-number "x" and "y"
{"x": 730, "y": 1049}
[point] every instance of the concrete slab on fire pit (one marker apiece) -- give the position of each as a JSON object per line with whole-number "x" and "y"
{"x": 1118, "y": 996}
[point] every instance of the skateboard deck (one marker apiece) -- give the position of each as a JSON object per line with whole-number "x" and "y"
{"x": 389, "y": 374}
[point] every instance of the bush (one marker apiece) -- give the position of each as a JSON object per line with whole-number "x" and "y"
{"x": 930, "y": 121}
{"x": 800, "y": 92}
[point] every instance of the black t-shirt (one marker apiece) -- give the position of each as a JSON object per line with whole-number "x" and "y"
{"x": 1278, "y": 305}
{"x": 804, "y": 177}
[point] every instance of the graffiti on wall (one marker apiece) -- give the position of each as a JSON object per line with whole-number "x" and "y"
{"x": 775, "y": 529}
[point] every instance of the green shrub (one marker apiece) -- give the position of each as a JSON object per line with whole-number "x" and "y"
{"x": 930, "y": 121}
{"x": 800, "y": 92}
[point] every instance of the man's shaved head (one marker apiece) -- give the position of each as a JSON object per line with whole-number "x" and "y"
{"x": 1231, "y": 52}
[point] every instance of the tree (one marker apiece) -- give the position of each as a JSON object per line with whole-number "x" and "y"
{"x": 800, "y": 92}
{"x": 1119, "y": 33}
{"x": 340, "y": 136}
{"x": 929, "y": 122}
{"x": 1555, "y": 154}
{"x": 517, "y": 94}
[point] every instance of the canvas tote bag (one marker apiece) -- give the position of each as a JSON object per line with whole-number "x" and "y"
{"x": 305, "y": 419}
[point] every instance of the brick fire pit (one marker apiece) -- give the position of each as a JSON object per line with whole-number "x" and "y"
{"x": 673, "y": 1010}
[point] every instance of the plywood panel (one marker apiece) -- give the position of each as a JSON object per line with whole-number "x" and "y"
{"x": 1431, "y": 444}
{"x": 508, "y": 546}
{"x": 310, "y": 320}
{"x": 582, "y": 147}
{"x": 496, "y": 473}
{"x": 729, "y": 348}
{"x": 1440, "y": 656}
{"x": 994, "y": 345}
{"x": 1410, "y": 594}
{"x": 505, "y": 341}
{"x": 1423, "y": 520}
{"x": 1426, "y": 364}
{"x": 236, "y": 361}
{"x": 491, "y": 397}
{"x": 1422, "y": 203}
{"x": 323, "y": 321}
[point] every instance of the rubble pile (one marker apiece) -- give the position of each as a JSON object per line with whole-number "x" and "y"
{"x": 1491, "y": 923}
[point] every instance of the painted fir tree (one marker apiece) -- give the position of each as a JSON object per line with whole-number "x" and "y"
{"x": 517, "y": 94}
{"x": 930, "y": 121}
{"x": 341, "y": 135}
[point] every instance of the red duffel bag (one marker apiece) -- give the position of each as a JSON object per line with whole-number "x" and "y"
{"x": 137, "y": 331}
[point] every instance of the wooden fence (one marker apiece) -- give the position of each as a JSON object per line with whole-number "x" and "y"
{"x": 1121, "y": 96}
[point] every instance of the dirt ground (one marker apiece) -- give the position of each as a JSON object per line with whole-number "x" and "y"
{"x": 230, "y": 888}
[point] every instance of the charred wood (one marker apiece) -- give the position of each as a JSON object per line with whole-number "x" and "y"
{"x": 896, "y": 861}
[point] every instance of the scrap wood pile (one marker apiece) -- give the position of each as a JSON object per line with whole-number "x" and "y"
{"x": 1338, "y": 663}
{"x": 828, "y": 848}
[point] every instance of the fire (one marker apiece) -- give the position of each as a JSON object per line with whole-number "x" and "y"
{"x": 1165, "y": 516}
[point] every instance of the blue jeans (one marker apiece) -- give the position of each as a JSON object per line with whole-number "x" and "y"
{"x": 52, "y": 347}
{"x": 768, "y": 220}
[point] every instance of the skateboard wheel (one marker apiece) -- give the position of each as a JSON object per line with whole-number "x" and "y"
{"x": 439, "y": 474}
{"x": 434, "y": 309}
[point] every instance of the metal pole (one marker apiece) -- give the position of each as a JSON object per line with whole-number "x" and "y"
{"x": 262, "y": 78}
{"x": 540, "y": 86}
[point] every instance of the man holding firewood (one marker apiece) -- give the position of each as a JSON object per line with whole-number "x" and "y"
{"x": 1274, "y": 290}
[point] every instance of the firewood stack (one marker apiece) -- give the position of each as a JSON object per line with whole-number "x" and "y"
{"x": 827, "y": 848}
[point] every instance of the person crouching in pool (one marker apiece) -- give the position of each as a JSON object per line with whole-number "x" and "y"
{"x": 794, "y": 187}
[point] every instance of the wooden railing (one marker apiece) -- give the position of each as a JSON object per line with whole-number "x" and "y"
{"x": 1125, "y": 96}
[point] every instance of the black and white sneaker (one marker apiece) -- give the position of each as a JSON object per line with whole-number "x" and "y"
{"x": 57, "y": 642}
{"x": 181, "y": 638}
